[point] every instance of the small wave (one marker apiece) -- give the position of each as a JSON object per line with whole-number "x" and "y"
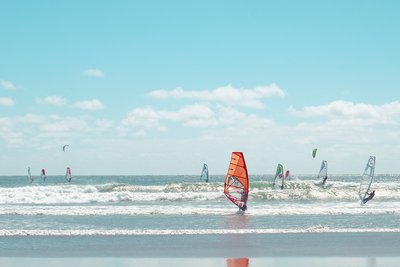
{"x": 259, "y": 191}
{"x": 119, "y": 232}
{"x": 282, "y": 209}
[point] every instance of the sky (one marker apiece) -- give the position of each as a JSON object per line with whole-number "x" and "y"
{"x": 159, "y": 87}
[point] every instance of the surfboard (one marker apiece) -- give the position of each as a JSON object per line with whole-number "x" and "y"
{"x": 366, "y": 179}
{"x": 204, "y": 173}
{"x": 279, "y": 174}
{"x": 236, "y": 187}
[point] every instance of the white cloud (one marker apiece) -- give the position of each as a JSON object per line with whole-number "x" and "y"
{"x": 196, "y": 115}
{"x": 8, "y": 85}
{"x": 52, "y": 100}
{"x": 93, "y": 73}
{"x": 142, "y": 119}
{"x": 6, "y": 101}
{"x": 343, "y": 112}
{"x": 64, "y": 127}
{"x": 226, "y": 94}
{"x": 93, "y": 104}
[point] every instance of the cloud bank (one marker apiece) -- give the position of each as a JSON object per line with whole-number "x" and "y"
{"x": 228, "y": 95}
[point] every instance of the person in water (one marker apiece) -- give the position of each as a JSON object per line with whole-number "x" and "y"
{"x": 243, "y": 199}
{"x": 369, "y": 196}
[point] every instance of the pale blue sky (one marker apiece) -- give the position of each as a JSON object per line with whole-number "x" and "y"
{"x": 133, "y": 85}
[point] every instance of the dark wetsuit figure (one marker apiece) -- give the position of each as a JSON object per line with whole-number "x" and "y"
{"x": 369, "y": 197}
{"x": 325, "y": 178}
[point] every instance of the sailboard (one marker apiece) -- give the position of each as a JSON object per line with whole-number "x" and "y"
{"x": 204, "y": 173}
{"x": 68, "y": 175}
{"x": 236, "y": 187}
{"x": 314, "y": 152}
{"x": 30, "y": 175}
{"x": 323, "y": 173}
{"x": 366, "y": 179}
{"x": 43, "y": 175}
{"x": 279, "y": 174}
{"x": 287, "y": 175}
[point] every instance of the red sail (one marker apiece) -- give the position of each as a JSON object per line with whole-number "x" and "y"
{"x": 237, "y": 181}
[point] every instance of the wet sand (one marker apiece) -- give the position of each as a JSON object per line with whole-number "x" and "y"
{"x": 365, "y": 245}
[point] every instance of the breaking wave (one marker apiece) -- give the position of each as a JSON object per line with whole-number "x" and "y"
{"x": 118, "y": 192}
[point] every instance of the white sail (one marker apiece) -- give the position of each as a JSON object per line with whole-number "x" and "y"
{"x": 204, "y": 173}
{"x": 366, "y": 179}
{"x": 323, "y": 172}
{"x": 29, "y": 175}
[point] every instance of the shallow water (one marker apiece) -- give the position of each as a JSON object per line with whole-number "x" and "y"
{"x": 135, "y": 205}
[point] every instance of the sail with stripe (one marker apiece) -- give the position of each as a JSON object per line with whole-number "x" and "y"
{"x": 43, "y": 174}
{"x": 236, "y": 186}
{"x": 279, "y": 175}
{"x": 366, "y": 180}
{"x": 323, "y": 173}
{"x": 204, "y": 173}
{"x": 68, "y": 175}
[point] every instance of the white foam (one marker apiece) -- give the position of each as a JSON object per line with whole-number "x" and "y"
{"x": 259, "y": 191}
{"x": 278, "y": 209}
{"x": 120, "y": 232}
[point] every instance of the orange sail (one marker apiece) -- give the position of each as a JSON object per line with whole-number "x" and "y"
{"x": 237, "y": 181}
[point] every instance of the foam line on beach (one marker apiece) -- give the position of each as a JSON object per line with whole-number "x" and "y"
{"x": 121, "y": 232}
{"x": 286, "y": 209}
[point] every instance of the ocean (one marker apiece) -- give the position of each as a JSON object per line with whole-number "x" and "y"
{"x": 180, "y": 217}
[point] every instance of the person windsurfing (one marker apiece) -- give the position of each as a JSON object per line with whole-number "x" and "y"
{"x": 324, "y": 180}
{"x": 243, "y": 198}
{"x": 370, "y": 195}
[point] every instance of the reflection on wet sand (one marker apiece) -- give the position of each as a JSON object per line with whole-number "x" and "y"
{"x": 237, "y": 262}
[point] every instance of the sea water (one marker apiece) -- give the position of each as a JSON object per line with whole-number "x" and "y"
{"x": 153, "y": 207}
{"x": 182, "y": 204}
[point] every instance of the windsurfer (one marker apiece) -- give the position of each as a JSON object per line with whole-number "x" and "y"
{"x": 243, "y": 205}
{"x": 325, "y": 178}
{"x": 370, "y": 195}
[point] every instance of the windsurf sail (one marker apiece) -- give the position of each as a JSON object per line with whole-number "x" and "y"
{"x": 29, "y": 175}
{"x": 314, "y": 152}
{"x": 236, "y": 186}
{"x": 287, "y": 174}
{"x": 204, "y": 173}
{"x": 65, "y": 147}
{"x": 68, "y": 175}
{"x": 366, "y": 179}
{"x": 43, "y": 174}
{"x": 323, "y": 172}
{"x": 279, "y": 174}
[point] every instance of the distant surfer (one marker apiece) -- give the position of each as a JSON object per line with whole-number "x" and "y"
{"x": 370, "y": 195}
